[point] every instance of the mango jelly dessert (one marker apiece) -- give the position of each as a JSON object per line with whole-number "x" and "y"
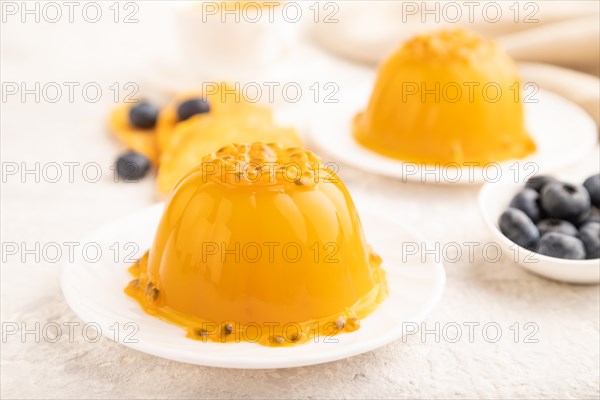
{"x": 259, "y": 243}
{"x": 447, "y": 97}
{"x": 191, "y": 140}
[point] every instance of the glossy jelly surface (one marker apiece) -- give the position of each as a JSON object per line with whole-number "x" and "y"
{"x": 447, "y": 97}
{"x": 260, "y": 243}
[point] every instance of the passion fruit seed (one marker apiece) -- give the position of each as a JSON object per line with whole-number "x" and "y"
{"x": 227, "y": 329}
{"x": 263, "y": 164}
{"x": 202, "y": 332}
{"x": 292, "y": 172}
{"x": 299, "y": 157}
{"x": 262, "y": 148}
{"x": 251, "y": 175}
{"x": 227, "y": 150}
{"x": 152, "y": 292}
{"x": 306, "y": 179}
{"x": 279, "y": 339}
{"x": 352, "y": 323}
{"x": 340, "y": 323}
{"x": 135, "y": 283}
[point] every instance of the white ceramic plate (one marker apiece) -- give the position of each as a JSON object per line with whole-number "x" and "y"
{"x": 493, "y": 201}
{"x": 94, "y": 290}
{"x": 562, "y": 131}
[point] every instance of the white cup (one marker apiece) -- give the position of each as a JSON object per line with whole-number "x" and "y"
{"x": 230, "y": 40}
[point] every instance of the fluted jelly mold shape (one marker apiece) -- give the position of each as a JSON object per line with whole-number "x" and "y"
{"x": 260, "y": 243}
{"x": 449, "y": 98}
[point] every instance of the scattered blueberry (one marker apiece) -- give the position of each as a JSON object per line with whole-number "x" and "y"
{"x": 517, "y": 226}
{"x": 565, "y": 201}
{"x": 538, "y": 182}
{"x": 132, "y": 166}
{"x": 590, "y": 236}
{"x": 143, "y": 115}
{"x": 556, "y": 225}
{"x": 559, "y": 245}
{"x": 192, "y": 107}
{"x": 591, "y": 216}
{"x": 527, "y": 201}
{"x": 592, "y": 185}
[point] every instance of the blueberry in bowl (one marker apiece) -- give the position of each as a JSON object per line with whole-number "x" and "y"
{"x": 565, "y": 201}
{"x": 590, "y": 236}
{"x": 563, "y": 244}
{"x": 558, "y": 226}
{"x": 592, "y": 185}
{"x": 528, "y": 201}
{"x": 538, "y": 182}
{"x": 554, "y": 218}
{"x": 519, "y": 228}
{"x": 559, "y": 245}
{"x": 591, "y": 216}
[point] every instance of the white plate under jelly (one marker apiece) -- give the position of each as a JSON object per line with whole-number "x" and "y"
{"x": 94, "y": 290}
{"x": 562, "y": 131}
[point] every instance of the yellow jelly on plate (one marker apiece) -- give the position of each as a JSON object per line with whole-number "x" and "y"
{"x": 260, "y": 243}
{"x": 451, "y": 97}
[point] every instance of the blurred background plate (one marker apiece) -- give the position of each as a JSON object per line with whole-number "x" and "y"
{"x": 563, "y": 132}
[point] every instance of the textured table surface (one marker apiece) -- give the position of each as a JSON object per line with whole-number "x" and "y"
{"x": 563, "y": 363}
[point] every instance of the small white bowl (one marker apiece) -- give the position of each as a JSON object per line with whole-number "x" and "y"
{"x": 494, "y": 199}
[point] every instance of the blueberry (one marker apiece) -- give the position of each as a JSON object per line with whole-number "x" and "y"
{"x": 556, "y": 225}
{"x": 517, "y": 226}
{"x": 132, "y": 165}
{"x": 559, "y": 245}
{"x": 591, "y": 216}
{"x": 590, "y": 236}
{"x": 565, "y": 201}
{"x": 527, "y": 201}
{"x": 143, "y": 115}
{"x": 592, "y": 184}
{"x": 192, "y": 107}
{"x": 538, "y": 182}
